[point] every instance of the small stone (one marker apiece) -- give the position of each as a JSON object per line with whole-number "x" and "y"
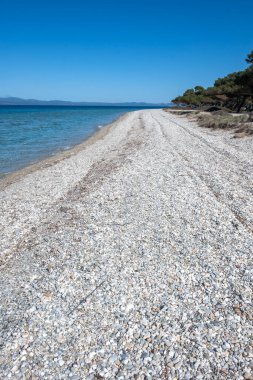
{"x": 248, "y": 376}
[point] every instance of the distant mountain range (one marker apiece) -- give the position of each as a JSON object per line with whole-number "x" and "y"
{"x": 12, "y": 101}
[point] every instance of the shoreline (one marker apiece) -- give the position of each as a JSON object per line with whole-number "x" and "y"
{"x": 28, "y": 194}
{"x": 17, "y": 175}
{"x": 133, "y": 239}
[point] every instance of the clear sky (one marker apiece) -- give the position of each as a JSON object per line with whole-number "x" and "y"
{"x": 119, "y": 50}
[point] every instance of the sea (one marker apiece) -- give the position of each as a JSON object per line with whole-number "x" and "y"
{"x": 31, "y": 133}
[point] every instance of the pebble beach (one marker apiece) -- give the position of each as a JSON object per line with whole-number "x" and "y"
{"x": 130, "y": 257}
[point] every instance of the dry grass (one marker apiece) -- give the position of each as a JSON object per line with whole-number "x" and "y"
{"x": 181, "y": 112}
{"x": 241, "y": 124}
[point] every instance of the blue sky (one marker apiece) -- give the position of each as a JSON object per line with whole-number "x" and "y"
{"x": 119, "y": 50}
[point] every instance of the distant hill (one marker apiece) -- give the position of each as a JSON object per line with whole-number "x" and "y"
{"x": 12, "y": 101}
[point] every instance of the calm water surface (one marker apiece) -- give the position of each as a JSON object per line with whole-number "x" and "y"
{"x": 28, "y": 134}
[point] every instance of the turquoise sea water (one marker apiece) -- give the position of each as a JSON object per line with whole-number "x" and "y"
{"x": 30, "y": 133}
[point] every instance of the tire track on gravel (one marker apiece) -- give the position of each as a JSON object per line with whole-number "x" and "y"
{"x": 220, "y": 151}
{"x": 240, "y": 216}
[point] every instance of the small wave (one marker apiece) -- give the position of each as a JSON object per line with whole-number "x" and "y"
{"x": 100, "y": 126}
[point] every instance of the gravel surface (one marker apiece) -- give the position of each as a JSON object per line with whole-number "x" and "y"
{"x": 132, "y": 258}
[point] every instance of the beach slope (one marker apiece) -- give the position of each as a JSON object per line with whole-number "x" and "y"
{"x": 130, "y": 257}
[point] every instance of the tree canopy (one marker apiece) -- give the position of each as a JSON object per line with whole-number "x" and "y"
{"x": 234, "y": 91}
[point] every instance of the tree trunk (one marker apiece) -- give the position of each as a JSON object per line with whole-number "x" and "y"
{"x": 241, "y": 103}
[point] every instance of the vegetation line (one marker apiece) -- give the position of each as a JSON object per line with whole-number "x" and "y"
{"x": 234, "y": 92}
